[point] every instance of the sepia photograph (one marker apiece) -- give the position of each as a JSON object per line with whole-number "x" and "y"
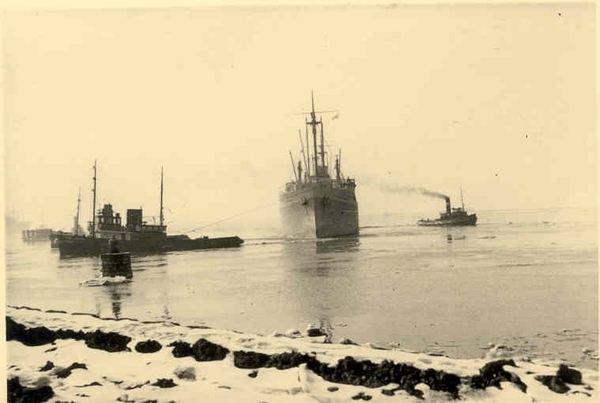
{"x": 300, "y": 202}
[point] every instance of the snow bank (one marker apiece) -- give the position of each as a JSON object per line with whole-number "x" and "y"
{"x": 77, "y": 368}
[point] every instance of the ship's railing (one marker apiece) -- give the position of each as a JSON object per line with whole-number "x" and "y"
{"x": 323, "y": 182}
{"x": 153, "y": 228}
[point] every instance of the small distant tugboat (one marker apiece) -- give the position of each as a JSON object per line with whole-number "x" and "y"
{"x": 451, "y": 217}
{"x": 135, "y": 236}
{"x": 36, "y": 235}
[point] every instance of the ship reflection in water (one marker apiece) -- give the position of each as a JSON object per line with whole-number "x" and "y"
{"x": 115, "y": 297}
{"x": 350, "y": 244}
{"x": 116, "y": 292}
{"x": 318, "y": 291}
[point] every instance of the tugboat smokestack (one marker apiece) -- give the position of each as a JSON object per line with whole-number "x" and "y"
{"x": 448, "y": 208}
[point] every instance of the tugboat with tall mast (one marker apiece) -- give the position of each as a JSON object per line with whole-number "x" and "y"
{"x": 317, "y": 204}
{"x": 135, "y": 236}
{"x": 452, "y": 216}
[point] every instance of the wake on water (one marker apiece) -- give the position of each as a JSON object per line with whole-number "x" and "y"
{"x": 100, "y": 281}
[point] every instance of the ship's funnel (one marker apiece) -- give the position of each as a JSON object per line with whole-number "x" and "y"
{"x": 448, "y": 207}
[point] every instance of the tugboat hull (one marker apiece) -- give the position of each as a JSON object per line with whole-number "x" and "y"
{"x": 84, "y": 246}
{"x": 464, "y": 221}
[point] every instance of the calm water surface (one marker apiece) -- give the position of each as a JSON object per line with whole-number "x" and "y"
{"x": 526, "y": 279}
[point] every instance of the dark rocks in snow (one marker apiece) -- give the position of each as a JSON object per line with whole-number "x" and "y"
{"x": 139, "y": 385}
{"x": 36, "y": 336}
{"x": 492, "y": 373}
{"x": 569, "y": 375}
{"x": 111, "y": 341}
{"x": 333, "y": 389}
{"x": 204, "y": 350}
{"x": 440, "y": 380}
{"x": 149, "y": 346}
{"x": 164, "y": 383}
{"x": 288, "y": 360}
{"x": 181, "y": 349}
{"x": 315, "y": 332}
{"x": 253, "y": 374}
{"x": 70, "y": 334}
{"x": 89, "y": 384}
{"x": 47, "y": 367}
{"x": 188, "y": 373}
{"x": 249, "y": 359}
{"x": 16, "y": 393}
{"x": 553, "y": 382}
{"x": 387, "y": 392}
{"x": 362, "y": 396}
{"x": 14, "y": 330}
{"x": 366, "y": 373}
{"x": 63, "y": 373}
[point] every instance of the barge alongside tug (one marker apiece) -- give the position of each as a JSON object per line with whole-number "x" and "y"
{"x": 135, "y": 236}
{"x": 316, "y": 204}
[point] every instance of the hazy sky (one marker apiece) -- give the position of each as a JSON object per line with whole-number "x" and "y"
{"x": 497, "y": 99}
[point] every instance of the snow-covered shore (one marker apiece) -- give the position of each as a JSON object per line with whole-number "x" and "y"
{"x": 70, "y": 358}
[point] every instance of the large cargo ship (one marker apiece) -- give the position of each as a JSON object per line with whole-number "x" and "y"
{"x": 315, "y": 204}
{"x": 135, "y": 236}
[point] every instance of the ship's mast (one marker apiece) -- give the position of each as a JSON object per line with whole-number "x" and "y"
{"x": 322, "y": 145}
{"x": 93, "y": 227}
{"x": 77, "y": 216}
{"x": 314, "y": 122}
{"x": 302, "y": 150}
{"x": 161, "y": 199}
{"x": 293, "y": 166}
{"x": 307, "y": 152}
{"x": 338, "y": 166}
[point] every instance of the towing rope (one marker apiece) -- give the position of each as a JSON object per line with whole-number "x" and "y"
{"x": 264, "y": 206}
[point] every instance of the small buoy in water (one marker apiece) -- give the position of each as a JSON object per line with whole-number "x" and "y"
{"x": 115, "y": 263}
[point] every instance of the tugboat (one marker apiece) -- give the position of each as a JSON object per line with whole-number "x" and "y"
{"x": 316, "y": 204}
{"x": 135, "y": 236}
{"x": 451, "y": 217}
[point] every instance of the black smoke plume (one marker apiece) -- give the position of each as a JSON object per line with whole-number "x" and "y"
{"x": 413, "y": 190}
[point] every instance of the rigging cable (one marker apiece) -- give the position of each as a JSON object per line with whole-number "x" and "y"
{"x": 241, "y": 214}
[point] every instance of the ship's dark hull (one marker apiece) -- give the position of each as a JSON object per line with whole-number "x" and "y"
{"x": 85, "y": 246}
{"x": 319, "y": 210}
{"x": 450, "y": 222}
